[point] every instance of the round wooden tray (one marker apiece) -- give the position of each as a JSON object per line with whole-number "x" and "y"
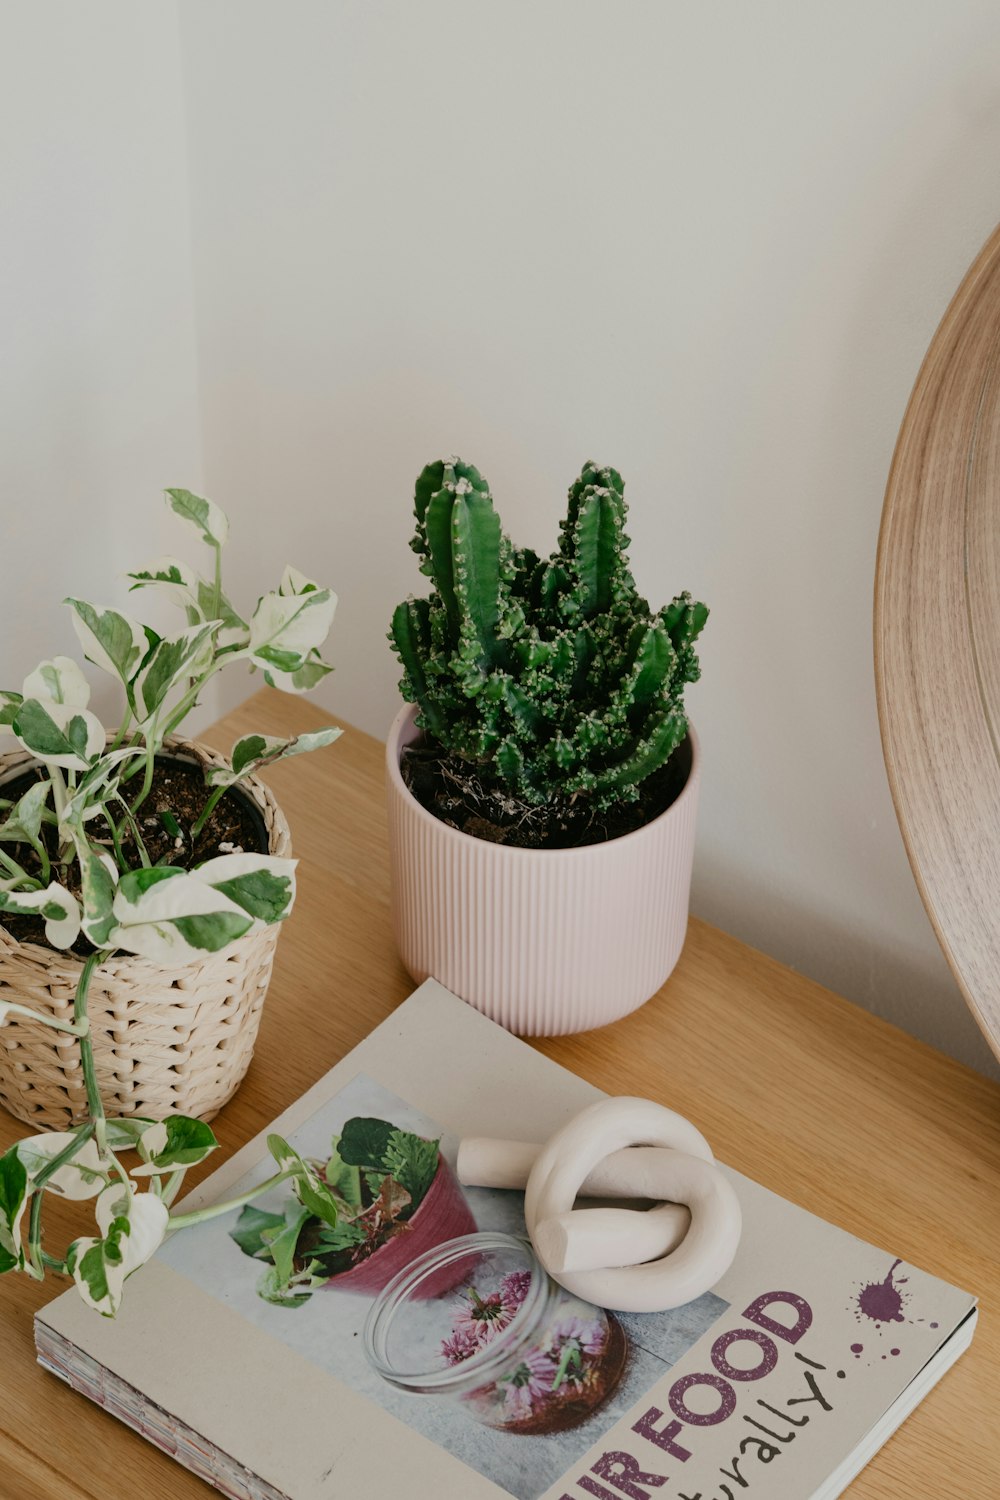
{"x": 937, "y": 635}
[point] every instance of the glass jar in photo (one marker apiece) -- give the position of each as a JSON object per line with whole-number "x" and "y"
{"x": 478, "y": 1320}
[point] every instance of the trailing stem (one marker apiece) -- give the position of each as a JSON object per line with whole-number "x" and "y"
{"x": 36, "y": 1254}
{"x": 95, "y": 1106}
{"x": 129, "y": 818}
{"x": 199, "y": 1215}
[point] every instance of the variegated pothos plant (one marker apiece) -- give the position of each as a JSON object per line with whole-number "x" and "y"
{"x": 63, "y": 859}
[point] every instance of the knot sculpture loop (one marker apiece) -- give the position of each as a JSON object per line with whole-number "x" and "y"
{"x": 628, "y": 1260}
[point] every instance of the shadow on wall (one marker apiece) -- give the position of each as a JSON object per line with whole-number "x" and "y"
{"x": 890, "y": 980}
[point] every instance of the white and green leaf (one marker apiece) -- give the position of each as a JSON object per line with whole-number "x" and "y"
{"x": 262, "y": 884}
{"x": 207, "y": 518}
{"x": 98, "y": 885}
{"x": 294, "y": 582}
{"x": 254, "y": 752}
{"x": 281, "y": 1242}
{"x": 110, "y": 639}
{"x": 59, "y": 679}
{"x": 146, "y": 1215}
{"x": 233, "y": 629}
{"x": 173, "y": 661}
{"x": 9, "y": 705}
{"x": 59, "y": 734}
{"x": 58, "y": 907}
{"x": 296, "y": 1291}
{"x": 309, "y": 1188}
{"x": 122, "y": 1133}
{"x": 132, "y": 1227}
{"x": 170, "y": 1144}
{"x": 171, "y": 577}
{"x": 98, "y": 1268}
{"x": 173, "y": 917}
{"x": 83, "y": 1176}
{"x": 198, "y": 598}
{"x": 98, "y": 784}
{"x": 343, "y": 1180}
{"x": 302, "y": 679}
{"x": 13, "y": 1197}
{"x": 24, "y": 820}
{"x": 289, "y": 626}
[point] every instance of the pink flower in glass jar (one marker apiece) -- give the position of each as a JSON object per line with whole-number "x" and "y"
{"x": 589, "y": 1334}
{"x": 487, "y": 1316}
{"x": 514, "y": 1287}
{"x": 575, "y": 1345}
{"x": 463, "y": 1343}
{"x": 529, "y": 1386}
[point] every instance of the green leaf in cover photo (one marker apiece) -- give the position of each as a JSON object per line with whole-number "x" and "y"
{"x": 340, "y": 1212}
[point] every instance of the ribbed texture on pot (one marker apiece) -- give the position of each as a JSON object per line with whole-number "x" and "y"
{"x": 542, "y": 941}
{"x": 166, "y": 1041}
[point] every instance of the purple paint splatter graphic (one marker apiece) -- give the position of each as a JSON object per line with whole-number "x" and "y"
{"x": 882, "y": 1301}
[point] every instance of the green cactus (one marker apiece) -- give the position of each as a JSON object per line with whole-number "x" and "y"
{"x": 550, "y": 678}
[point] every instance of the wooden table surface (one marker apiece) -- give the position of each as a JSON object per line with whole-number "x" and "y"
{"x": 792, "y": 1084}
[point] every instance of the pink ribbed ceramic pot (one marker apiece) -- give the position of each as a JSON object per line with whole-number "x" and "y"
{"x": 544, "y": 941}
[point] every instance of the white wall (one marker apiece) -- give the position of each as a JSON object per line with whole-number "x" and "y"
{"x": 98, "y": 408}
{"x": 705, "y": 242}
{"x": 708, "y": 243}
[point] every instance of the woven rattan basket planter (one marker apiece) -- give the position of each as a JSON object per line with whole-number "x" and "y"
{"x": 165, "y": 1040}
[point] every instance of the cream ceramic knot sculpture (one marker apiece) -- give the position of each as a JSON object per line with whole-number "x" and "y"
{"x": 628, "y": 1260}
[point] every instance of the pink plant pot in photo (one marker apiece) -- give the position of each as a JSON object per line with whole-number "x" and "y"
{"x": 443, "y": 1215}
{"x": 544, "y": 941}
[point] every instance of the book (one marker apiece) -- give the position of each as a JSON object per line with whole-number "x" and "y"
{"x": 272, "y": 1356}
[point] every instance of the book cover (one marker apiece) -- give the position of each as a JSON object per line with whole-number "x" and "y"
{"x": 779, "y": 1382}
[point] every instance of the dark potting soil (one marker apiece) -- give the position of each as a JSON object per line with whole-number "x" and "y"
{"x": 447, "y": 787}
{"x": 178, "y": 791}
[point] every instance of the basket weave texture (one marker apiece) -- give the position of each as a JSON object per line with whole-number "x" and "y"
{"x": 165, "y": 1041}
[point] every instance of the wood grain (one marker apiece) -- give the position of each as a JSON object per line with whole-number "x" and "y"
{"x": 794, "y": 1086}
{"x": 937, "y": 635}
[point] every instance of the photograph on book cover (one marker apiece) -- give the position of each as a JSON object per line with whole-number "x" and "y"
{"x": 570, "y": 1371}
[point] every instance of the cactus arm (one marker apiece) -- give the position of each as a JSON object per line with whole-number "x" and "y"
{"x": 563, "y": 657}
{"x": 590, "y": 475}
{"x": 654, "y": 664}
{"x": 597, "y": 542}
{"x": 584, "y": 651}
{"x": 410, "y": 633}
{"x": 526, "y": 585}
{"x": 440, "y": 558}
{"x": 429, "y": 481}
{"x": 647, "y": 756}
{"x": 531, "y": 652}
{"x": 526, "y": 715}
{"x": 476, "y": 538}
{"x": 510, "y": 760}
{"x": 684, "y": 619}
{"x": 553, "y": 585}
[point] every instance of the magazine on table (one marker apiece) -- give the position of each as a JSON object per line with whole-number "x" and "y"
{"x": 245, "y": 1347}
